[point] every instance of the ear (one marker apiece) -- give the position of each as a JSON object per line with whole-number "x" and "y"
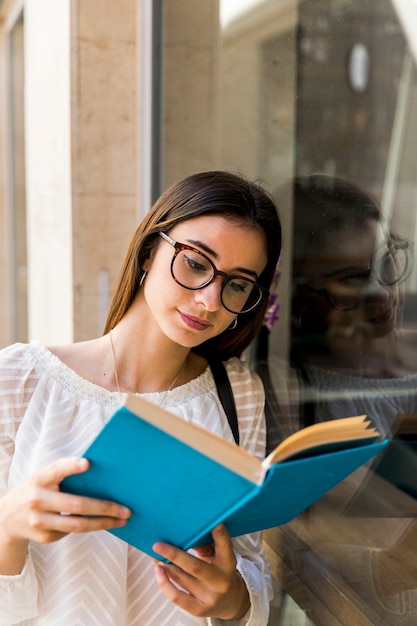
{"x": 146, "y": 265}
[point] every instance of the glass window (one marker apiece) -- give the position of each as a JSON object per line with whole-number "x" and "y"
{"x": 318, "y": 99}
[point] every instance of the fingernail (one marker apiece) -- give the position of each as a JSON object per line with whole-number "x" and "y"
{"x": 124, "y": 512}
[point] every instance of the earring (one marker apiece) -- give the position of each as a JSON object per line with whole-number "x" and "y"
{"x": 142, "y": 278}
{"x": 233, "y": 324}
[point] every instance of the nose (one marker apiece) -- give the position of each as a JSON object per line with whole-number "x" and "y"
{"x": 375, "y": 291}
{"x": 210, "y": 295}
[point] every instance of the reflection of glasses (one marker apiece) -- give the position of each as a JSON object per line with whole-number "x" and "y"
{"x": 192, "y": 269}
{"x": 350, "y": 291}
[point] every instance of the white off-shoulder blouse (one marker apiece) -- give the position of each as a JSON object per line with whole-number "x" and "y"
{"x": 47, "y": 411}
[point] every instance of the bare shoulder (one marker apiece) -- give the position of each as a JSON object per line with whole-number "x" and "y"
{"x": 81, "y": 357}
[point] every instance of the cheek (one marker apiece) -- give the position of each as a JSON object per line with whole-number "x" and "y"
{"x": 343, "y": 319}
{"x": 159, "y": 287}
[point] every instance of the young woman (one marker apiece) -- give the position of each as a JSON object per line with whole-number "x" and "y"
{"x": 193, "y": 286}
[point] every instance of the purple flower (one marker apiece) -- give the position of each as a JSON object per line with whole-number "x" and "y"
{"x": 271, "y": 314}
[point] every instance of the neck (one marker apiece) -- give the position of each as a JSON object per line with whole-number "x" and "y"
{"x": 140, "y": 371}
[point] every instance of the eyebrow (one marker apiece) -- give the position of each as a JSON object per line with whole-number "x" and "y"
{"x": 378, "y": 254}
{"x": 349, "y": 269}
{"x": 207, "y": 250}
{"x": 379, "y": 251}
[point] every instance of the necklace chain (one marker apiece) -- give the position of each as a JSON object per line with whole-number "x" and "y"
{"x": 116, "y": 376}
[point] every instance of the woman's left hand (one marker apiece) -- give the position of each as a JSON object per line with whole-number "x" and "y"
{"x": 210, "y": 585}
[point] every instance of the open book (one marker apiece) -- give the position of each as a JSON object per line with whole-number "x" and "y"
{"x": 181, "y": 480}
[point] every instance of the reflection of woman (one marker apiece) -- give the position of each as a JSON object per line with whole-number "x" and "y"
{"x": 346, "y": 304}
{"x": 353, "y": 358}
{"x": 194, "y": 285}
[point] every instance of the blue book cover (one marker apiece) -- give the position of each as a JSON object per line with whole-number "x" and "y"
{"x": 181, "y": 480}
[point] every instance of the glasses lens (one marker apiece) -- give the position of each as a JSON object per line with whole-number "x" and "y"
{"x": 191, "y": 269}
{"x": 240, "y": 295}
{"x": 345, "y": 296}
{"x": 393, "y": 266}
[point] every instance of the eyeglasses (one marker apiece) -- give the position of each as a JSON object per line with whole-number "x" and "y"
{"x": 350, "y": 292}
{"x": 193, "y": 270}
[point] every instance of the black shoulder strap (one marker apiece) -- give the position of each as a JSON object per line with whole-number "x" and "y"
{"x": 224, "y": 389}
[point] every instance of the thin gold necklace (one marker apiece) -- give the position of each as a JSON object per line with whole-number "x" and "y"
{"x": 116, "y": 376}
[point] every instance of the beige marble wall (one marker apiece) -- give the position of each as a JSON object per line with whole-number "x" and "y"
{"x": 81, "y": 117}
{"x": 104, "y": 157}
{"x": 83, "y": 177}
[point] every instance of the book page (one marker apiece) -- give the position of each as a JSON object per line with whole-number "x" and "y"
{"x": 349, "y": 429}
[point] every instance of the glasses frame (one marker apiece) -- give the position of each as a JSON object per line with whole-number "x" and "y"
{"x": 395, "y": 243}
{"x": 179, "y": 247}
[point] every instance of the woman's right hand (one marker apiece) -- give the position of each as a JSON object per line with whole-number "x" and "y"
{"x": 36, "y": 510}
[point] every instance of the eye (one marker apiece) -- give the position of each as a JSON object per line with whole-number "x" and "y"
{"x": 239, "y": 285}
{"x": 196, "y": 263}
{"x": 355, "y": 281}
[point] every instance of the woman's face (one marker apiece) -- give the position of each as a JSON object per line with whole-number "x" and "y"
{"x": 353, "y": 268}
{"x": 191, "y": 317}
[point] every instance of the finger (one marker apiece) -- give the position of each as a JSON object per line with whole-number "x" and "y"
{"x": 223, "y": 551}
{"x": 55, "y": 472}
{"x": 223, "y": 548}
{"x": 187, "y": 571}
{"x": 48, "y": 527}
{"x": 74, "y": 523}
{"x": 206, "y": 552}
{"x": 168, "y": 552}
{"x": 183, "y": 599}
{"x": 59, "y": 502}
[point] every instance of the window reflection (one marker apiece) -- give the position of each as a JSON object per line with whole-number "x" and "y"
{"x": 353, "y": 357}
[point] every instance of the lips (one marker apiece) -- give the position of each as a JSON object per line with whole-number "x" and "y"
{"x": 195, "y": 323}
{"x": 382, "y": 318}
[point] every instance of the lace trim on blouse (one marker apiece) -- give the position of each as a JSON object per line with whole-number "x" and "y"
{"x": 46, "y": 363}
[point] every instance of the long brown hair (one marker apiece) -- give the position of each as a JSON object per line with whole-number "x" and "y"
{"x": 205, "y": 193}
